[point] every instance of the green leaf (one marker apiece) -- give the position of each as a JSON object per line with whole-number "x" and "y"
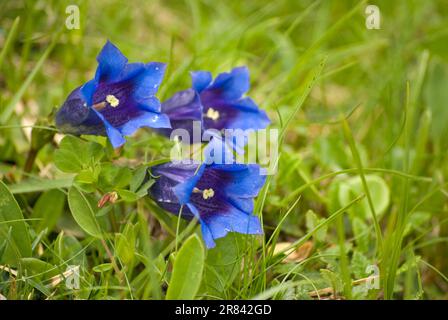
{"x": 312, "y": 221}
{"x": 75, "y": 154}
{"x": 39, "y": 273}
{"x": 138, "y": 176}
{"x": 67, "y": 161}
{"x": 331, "y": 152}
{"x": 38, "y": 185}
{"x": 103, "y": 267}
{"x": 379, "y": 192}
{"x": 86, "y": 176}
{"x": 68, "y": 251}
{"x": 35, "y": 267}
{"x": 359, "y": 264}
{"x": 48, "y": 208}
{"x": 127, "y": 195}
{"x": 113, "y": 177}
{"x": 82, "y": 208}
{"x": 143, "y": 191}
{"x": 125, "y": 245}
{"x": 11, "y": 218}
{"x": 187, "y": 270}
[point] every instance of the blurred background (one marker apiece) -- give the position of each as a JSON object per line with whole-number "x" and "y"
{"x": 390, "y": 85}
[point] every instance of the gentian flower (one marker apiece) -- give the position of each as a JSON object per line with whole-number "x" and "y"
{"x": 118, "y": 101}
{"x": 221, "y": 197}
{"x": 217, "y": 104}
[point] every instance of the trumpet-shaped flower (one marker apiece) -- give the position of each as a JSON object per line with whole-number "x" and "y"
{"x": 217, "y": 104}
{"x": 119, "y": 100}
{"x": 221, "y": 197}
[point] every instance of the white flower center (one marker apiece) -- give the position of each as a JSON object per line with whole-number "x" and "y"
{"x": 212, "y": 114}
{"x": 112, "y": 100}
{"x": 208, "y": 193}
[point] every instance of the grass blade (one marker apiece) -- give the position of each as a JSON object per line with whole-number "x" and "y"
{"x": 9, "y": 40}
{"x": 6, "y": 113}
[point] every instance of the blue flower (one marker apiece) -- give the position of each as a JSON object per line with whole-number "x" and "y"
{"x": 221, "y": 197}
{"x": 183, "y": 109}
{"x": 118, "y": 101}
{"x": 217, "y": 104}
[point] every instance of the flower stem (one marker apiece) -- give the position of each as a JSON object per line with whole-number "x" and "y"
{"x": 31, "y": 157}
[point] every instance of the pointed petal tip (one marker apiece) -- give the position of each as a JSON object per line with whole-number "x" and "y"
{"x": 200, "y": 80}
{"x": 111, "y": 62}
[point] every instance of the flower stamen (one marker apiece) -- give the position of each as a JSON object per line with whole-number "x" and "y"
{"x": 212, "y": 114}
{"x": 208, "y": 193}
{"x": 112, "y": 100}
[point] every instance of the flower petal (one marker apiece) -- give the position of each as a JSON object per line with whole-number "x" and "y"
{"x": 184, "y": 190}
{"x": 132, "y": 101}
{"x": 236, "y": 180}
{"x": 114, "y": 135}
{"x": 241, "y": 114}
{"x": 87, "y": 90}
{"x": 208, "y": 237}
{"x": 218, "y": 150}
{"x": 151, "y": 104}
{"x": 230, "y": 85}
{"x": 74, "y": 113}
{"x": 169, "y": 175}
{"x": 147, "y": 82}
{"x": 200, "y": 80}
{"x": 146, "y": 119}
{"x": 243, "y": 204}
{"x": 177, "y": 172}
{"x": 184, "y": 105}
{"x": 111, "y": 63}
{"x": 183, "y": 109}
{"x": 217, "y": 225}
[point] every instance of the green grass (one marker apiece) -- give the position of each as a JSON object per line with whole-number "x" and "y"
{"x": 362, "y": 176}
